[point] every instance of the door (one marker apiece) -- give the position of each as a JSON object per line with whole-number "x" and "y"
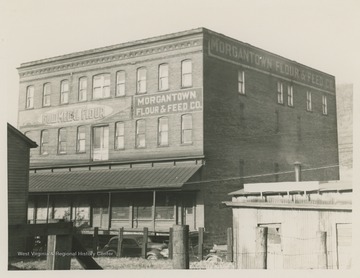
{"x": 100, "y": 212}
{"x": 274, "y": 249}
{"x": 100, "y": 143}
{"x": 186, "y": 211}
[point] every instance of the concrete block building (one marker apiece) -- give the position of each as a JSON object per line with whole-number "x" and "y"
{"x": 158, "y": 131}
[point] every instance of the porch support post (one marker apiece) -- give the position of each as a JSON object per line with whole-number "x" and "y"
{"x": 153, "y": 212}
{"x": 109, "y": 212}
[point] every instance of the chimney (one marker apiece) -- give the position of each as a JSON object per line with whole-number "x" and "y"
{"x": 297, "y": 166}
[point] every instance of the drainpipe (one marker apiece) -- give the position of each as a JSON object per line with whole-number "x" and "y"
{"x": 297, "y": 166}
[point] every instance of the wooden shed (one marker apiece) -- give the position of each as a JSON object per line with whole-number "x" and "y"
{"x": 18, "y": 183}
{"x": 293, "y": 225}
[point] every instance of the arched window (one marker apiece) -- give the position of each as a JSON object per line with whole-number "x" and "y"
{"x": 62, "y": 141}
{"x": 44, "y": 142}
{"x": 64, "y": 92}
{"x": 80, "y": 139}
{"x": 163, "y": 131}
{"x": 83, "y": 89}
{"x": 141, "y": 81}
{"x": 186, "y": 129}
{"x": 120, "y": 83}
{"x": 163, "y": 77}
{"x": 140, "y": 134}
{"x": 119, "y": 136}
{"x": 101, "y": 86}
{"x": 29, "y": 97}
{"x": 186, "y": 73}
{"x": 46, "y": 94}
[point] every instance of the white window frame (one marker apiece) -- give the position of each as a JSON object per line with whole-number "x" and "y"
{"x": 62, "y": 138}
{"x": 185, "y": 130}
{"x": 163, "y": 77}
{"x": 324, "y": 105}
{"x": 46, "y": 94}
{"x": 64, "y": 94}
{"x": 290, "y": 99}
{"x": 120, "y": 83}
{"x": 81, "y": 137}
{"x": 29, "y": 97}
{"x": 241, "y": 82}
{"x": 308, "y": 101}
{"x": 280, "y": 93}
{"x": 83, "y": 88}
{"x": 103, "y": 86}
{"x": 141, "y": 80}
{"x": 140, "y": 135}
{"x": 119, "y": 133}
{"x": 186, "y": 73}
{"x": 163, "y": 132}
{"x": 44, "y": 143}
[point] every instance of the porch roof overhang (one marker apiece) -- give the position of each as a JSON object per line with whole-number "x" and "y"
{"x": 112, "y": 179}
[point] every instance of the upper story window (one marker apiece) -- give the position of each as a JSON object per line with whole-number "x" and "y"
{"x": 80, "y": 139}
{"x": 324, "y": 105}
{"x": 163, "y": 77}
{"x": 46, "y": 94}
{"x": 29, "y": 97}
{"x": 83, "y": 89}
{"x": 62, "y": 141}
{"x": 140, "y": 134}
{"x": 119, "y": 136}
{"x": 280, "y": 93}
{"x": 120, "y": 83}
{"x": 101, "y": 86}
{"x": 141, "y": 81}
{"x": 163, "y": 131}
{"x": 308, "y": 101}
{"x": 186, "y": 73}
{"x": 241, "y": 82}
{"x": 186, "y": 129}
{"x": 44, "y": 142}
{"x": 64, "y": 92}
{"x": 290, "y": 95}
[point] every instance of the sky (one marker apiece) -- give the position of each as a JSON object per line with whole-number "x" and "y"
{"x": 321, "y": 34}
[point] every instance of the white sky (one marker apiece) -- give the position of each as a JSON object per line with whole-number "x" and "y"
{"x": 321, "y": 34}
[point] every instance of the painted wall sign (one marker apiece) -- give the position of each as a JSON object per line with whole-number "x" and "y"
{"x": 76, "y": 113}
{"x": 245, "y": 54}
{"x": 168, "y": 103}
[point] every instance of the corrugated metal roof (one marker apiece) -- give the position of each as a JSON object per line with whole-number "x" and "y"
{"x": 114, "y": 179}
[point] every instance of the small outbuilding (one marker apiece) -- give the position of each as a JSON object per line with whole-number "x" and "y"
{"x": 293, "y": 225}
{"x": 18, "y": 184}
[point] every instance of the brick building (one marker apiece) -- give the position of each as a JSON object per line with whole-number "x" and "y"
{"x": 159, "y": 131}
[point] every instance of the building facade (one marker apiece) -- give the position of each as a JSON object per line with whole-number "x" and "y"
{"x": 18, "y": 185}
{"x": 157, "y": 132}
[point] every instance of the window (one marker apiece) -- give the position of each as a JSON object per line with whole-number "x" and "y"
{"x": 165, "y": 206}
{"x": 64, "y": 92}
{"x": 119, "y": 136}
{"x": 100, "y": 143}
{"x": 46, "y": 94}
{"x": 140, "y": 134}
{"x": 186, "y": 129}
{"x": 324, "y": 105}
{"x": 163, "y": 77}
{"x": 83, "y": 89}
{"x": 241, "y": 82}
{"x": 280, "y": 93}
{"x": 29, "y": 97}
{"x": 120, "y": 208}
{"x": 62, "y": 141}
{"x": 81, "y": 139}
{"x": 163, "y": 131}
{"x": 141, "y": 81}
{"x": 44, "y": 142}
{"x": 290, "y": 96}
{"x": 308, "y": 101}
{"x": 101, "y": 86}
{"x": 186, "y": 73}
{"x": 120, "y": 83}
{"x": 142, "y": 206}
